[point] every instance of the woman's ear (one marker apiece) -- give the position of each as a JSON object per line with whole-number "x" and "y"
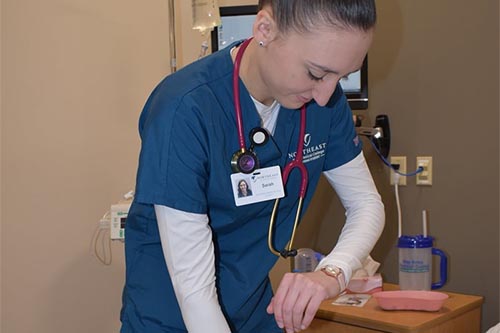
{"x": 264, "y": 27}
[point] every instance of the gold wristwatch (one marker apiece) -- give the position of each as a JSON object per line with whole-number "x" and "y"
{"x": 336, "y": 273}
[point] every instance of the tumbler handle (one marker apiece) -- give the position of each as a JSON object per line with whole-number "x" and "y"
{"x": 443, "y": 269}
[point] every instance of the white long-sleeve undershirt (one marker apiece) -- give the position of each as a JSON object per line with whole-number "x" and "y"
{"x": 365, "y": 215}
{"x": 186, "y": 240}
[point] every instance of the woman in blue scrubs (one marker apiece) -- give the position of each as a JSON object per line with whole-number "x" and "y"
{"x": 197, "y": 258}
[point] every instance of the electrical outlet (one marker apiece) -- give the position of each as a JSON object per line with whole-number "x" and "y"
{"x": 424, "y": 177}
{"x": 401, "y": 160}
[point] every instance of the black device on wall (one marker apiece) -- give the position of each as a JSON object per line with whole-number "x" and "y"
{"x": 237, "y": 24}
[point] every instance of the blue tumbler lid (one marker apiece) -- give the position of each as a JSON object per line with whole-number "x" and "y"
{"x": 418, "y": 241}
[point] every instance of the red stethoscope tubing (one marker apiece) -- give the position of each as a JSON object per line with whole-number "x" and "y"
{"x": 236, "y": 92}
{"x": 299, "y": 164}
{"x": 296, "y": 163}
{"x": 298, "y": 160}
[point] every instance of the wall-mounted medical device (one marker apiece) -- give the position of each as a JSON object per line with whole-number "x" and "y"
{"x": 119, "y": 213}
{"x": 379, "y": 134}
{"x": 111, "y": 227}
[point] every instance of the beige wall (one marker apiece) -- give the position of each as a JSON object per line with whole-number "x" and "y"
{"x": 1, "y": 169}
{"x": 75, "y": 75}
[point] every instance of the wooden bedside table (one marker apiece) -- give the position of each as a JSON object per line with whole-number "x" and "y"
{"x": 459, "y": 314}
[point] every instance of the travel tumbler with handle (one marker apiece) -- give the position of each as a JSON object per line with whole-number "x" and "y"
{"x": 415, "y": 263}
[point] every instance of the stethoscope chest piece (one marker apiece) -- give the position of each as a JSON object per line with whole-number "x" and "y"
{"x": 244, "y": 161}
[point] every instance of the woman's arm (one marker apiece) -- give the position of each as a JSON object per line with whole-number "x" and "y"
{"x": 365, "y": 216}
{"x": 189, "y": 253}
{"x": 299, "y": 295}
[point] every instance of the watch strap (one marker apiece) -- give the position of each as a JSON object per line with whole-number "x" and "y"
{"x": 336, "y": 273}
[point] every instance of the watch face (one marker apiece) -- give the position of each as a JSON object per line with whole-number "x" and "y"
{"x": 332, "y": 271}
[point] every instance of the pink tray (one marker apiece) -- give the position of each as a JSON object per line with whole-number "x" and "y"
{"x": 410, "y": 300}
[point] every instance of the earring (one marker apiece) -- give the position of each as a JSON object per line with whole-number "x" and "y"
{"x": 261, "y": 43}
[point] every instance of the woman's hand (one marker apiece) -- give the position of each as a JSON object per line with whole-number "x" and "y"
{"x": 298, "y": 298}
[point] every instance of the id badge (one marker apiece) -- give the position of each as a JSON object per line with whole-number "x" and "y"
{"x": 260, "y": 185}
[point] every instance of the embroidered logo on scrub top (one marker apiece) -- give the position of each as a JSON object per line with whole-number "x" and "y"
{"x": 310, "y": 153}
{"x": 307, "y": 140}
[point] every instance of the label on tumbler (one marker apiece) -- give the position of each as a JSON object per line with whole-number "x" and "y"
{"x": 413, "y": 266}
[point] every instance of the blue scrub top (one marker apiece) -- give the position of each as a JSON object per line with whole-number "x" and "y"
{"x": 188, "y": 131}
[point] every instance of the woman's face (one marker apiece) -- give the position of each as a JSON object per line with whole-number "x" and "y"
{"x": 243, "y": 186}
{"x": 297, "y": 68}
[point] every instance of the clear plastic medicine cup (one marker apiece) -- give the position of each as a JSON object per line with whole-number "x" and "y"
{"x": 306, "y": 260}
{"x": 415, "y": 263}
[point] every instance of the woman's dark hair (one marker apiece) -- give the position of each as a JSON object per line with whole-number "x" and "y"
{"x": 305, "y": 15}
